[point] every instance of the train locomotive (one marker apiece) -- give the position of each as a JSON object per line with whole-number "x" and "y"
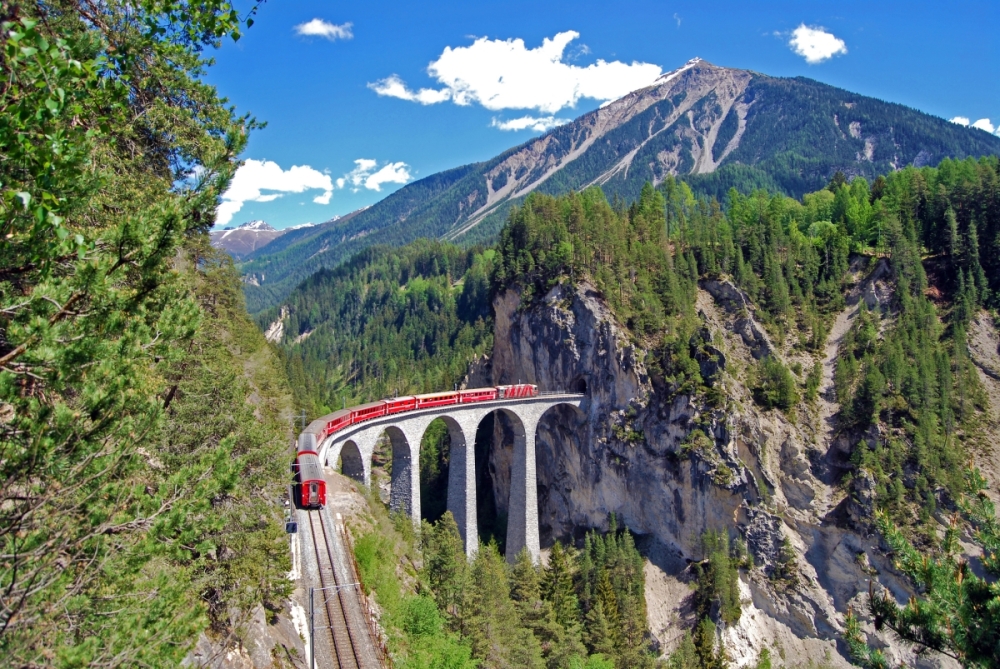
{"x": 310, "y": 486}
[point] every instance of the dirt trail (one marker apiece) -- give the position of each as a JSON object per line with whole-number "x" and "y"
{"x": 826, "y": 402}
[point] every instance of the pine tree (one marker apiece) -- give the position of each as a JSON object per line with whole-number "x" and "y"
{"x": 493, "y": 624}
{"x": 958, "y": 613}
{"x": 558, "y": 587}
{"x": 446, "y": 567}
{"x": 600, "y": 637}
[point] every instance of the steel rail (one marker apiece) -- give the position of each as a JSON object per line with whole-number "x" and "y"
{"x": 343, "y": 659}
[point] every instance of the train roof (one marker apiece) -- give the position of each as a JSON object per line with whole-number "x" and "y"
{"x": 309, "y": 467}
{"x": 488, "y": 389}
{"x": 429, "y": 396}
{"x": 370, "y": 405}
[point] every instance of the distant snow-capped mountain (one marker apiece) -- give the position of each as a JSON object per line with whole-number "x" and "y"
{"x": 244, "y": 239}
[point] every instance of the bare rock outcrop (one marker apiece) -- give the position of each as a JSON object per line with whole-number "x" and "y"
{"x": 671, "y": 466}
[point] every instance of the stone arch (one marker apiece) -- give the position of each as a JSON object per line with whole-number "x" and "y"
{"x": 522, "y": 511}
{"x": 432, "y": 508}
{"x": 352, "y": 463}
{"x": 562, "y": 449}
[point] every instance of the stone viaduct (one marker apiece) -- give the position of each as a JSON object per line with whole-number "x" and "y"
{"x": 355, "y": 445}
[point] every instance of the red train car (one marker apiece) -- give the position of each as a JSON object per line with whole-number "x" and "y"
{"x": 477, "y": 395}
{"x": 368, "y": 411}
{"x": 338, "y": 421}
{"x": 309, "y": 482}
{"x": 345, "y": 418}
{"x": 400, "y": 404}
{"x": 517, "y": 391}
{"x": 436, "y": 400}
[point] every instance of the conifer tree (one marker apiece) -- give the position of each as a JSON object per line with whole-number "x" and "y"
{"x": 446, "y": 567}
{"x": 492, "y": 624}
{"x": 958, "y": 613}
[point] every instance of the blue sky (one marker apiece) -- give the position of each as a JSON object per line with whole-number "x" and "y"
{"x": 352, "y": 105}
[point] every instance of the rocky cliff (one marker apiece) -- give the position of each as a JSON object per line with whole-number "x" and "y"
{"x": 672, "y": 466}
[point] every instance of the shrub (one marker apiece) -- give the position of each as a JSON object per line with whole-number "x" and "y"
{"x": 775, "y": 385}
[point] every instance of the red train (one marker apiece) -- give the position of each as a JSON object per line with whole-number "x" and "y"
{"x": 309, "y": 483}
{"x": 310, "y": 486}
{"x": 338, "y": 420}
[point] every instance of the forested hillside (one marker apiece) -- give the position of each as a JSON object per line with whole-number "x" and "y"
{"x": 143, "y": 419}
{"x": 715, "y": 128}
{"x": 410, "y": 319}
{"x": 388, "y": 321}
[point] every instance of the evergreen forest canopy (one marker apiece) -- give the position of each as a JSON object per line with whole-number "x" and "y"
{"x": 585, "y": 609}
{"x": 143, "y": 419}
{"x": 387, "y": 322}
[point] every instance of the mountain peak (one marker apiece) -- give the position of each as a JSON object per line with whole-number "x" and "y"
{"x": 667, "y": 76}
{"x": 259, "y": 226}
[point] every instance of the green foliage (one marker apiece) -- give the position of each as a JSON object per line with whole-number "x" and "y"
{"x": 141, "y": 480}
{"x": 699, "y": 649}
{"x": 435, "y": 454}
{"x": 813, "y": 380}
{"x": 416, "y": 626}
{"x": 387, "y": 322}
{"x": 491, "y": 623}
{"x": 786, "y": 566}
{"x": 957, "y": 613}
{"x": 523, "y": 615}
{"x": 775, "y": 387}
{"x": 718, "y": 592}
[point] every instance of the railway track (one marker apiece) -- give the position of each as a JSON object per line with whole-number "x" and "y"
{"x": 345, "y": 647}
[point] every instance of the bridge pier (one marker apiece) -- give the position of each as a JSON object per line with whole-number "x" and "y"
{"x": 522, "y": 509}
{"x": 462, "y": 479}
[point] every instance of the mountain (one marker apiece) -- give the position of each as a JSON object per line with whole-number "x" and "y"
{"x": 714, "y": 127}
{"x": 244, "y": 239}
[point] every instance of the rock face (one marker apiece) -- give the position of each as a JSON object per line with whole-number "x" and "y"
{"x": 672, "y": 467}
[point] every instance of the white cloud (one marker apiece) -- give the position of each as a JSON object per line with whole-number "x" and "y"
{"x": 982, "y": 124}
{"x": 394, "y": 87}
{"x": 255, "y": 176}
{"x": 365, "y": 175}
{"x": 321, "y": 28}
{"x": 504, "y": 74}
{"x": 816, "y": 44}
{"x": 530, "y": 122}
